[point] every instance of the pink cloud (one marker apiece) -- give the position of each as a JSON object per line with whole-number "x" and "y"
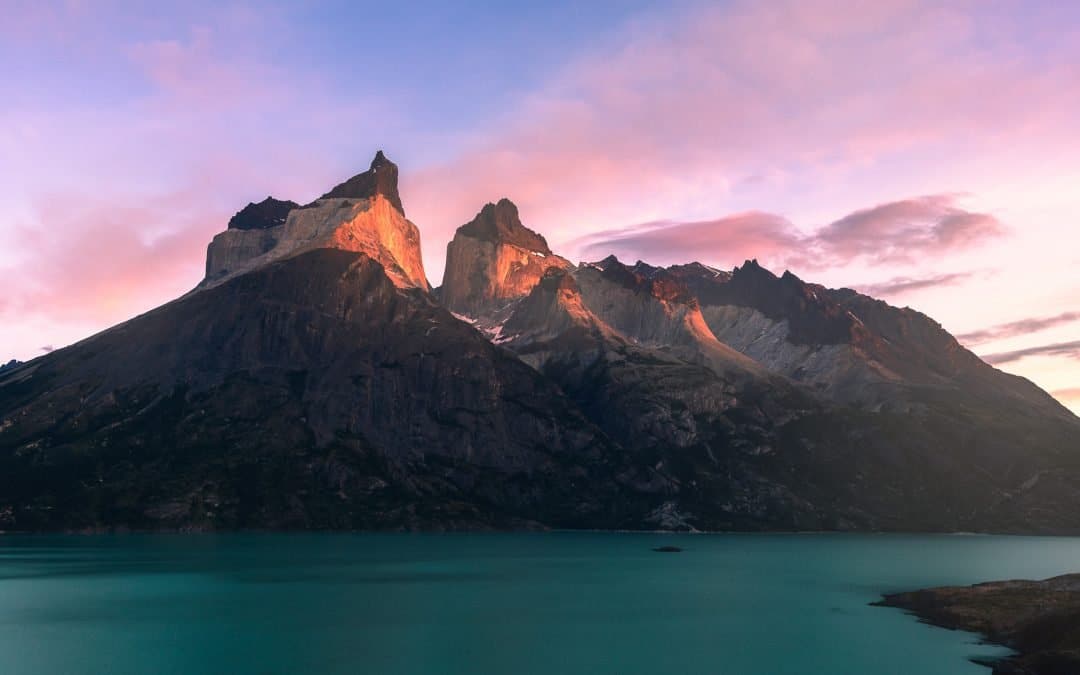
{"x": 86, "y": 258}
{"x": 732, "y": 238}
{"x": 895, "y": 232}
{"x": 1019, "y": 327}
{"x": 901, "y": 230}
{"x": 898, "y": 286}
{"x": 672, "y": 113}
{"x": 1065, "y": 349}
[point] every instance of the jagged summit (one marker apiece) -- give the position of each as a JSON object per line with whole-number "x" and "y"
{"x": 363, "y": 214}
{"x": 311, "y": 382}
{"x": 494, "y": 259}
{"x": 641, "y": 277}
{"x": 697, "y": 269}
{"x": 553, "y": 307}
{"x": 381, "y": 178}
{"x": 269, "y": 212}
{"x": 500, "y": 223}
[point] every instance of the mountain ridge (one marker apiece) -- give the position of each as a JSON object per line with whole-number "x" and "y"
{"x": 315, "y": 380}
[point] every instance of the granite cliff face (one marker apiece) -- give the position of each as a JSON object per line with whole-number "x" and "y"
{"x": 314, "y": 380}
{"x": 653, "y": 308}
{"x": 493, "y": 260}
{"x": 363, "y": 214}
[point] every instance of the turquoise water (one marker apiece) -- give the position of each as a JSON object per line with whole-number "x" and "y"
{"x": 560, "y": 603}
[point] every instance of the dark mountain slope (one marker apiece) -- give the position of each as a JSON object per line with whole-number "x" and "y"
{"x": 313, "y": 381}
{"x": 735, "y": 451}
{"x": 309, "y": 393}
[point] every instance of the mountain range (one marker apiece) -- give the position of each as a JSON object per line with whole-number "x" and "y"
{"x": 315, "y": 380}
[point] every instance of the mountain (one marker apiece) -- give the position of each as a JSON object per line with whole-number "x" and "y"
{"x": 363, "y": 214}
{"x": 493, "y": 260}
{"x": 268, "y": 213}
{"x": 9, "y": 365}
{"x": 321, "y": 388}
{"x": 763, "y": 401}
{"x": 314, "y": 379}
{"x": 852, "y": 348}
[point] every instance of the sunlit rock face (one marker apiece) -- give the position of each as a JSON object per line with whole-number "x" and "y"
{"x": 652, "y": 307}
{"x": 793, "y": 328}
{"x": 494, "y": 259}
{"x": 847, "y": 346}
{"x": 362, "y": 215}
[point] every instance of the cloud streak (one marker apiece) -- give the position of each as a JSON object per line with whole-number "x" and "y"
{"x": 902, "y": 285}
{"x": 895, "y": 232}
{"x": 1066, "y": 349}
{"x": 902, "y": 231}
{"x": 1015, "y": 328}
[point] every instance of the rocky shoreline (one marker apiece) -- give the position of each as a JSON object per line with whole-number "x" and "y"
{"x": 1040, "y": 620}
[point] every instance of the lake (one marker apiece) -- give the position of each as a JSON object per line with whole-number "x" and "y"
{"x": 536, "y": 603}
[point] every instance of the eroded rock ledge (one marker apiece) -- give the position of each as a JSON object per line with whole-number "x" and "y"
{"x": 1040, "y": 620}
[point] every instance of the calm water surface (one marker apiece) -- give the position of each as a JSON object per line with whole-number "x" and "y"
{"x": 562, "y": 603}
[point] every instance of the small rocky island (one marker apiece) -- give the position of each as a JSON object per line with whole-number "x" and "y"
{"x": 1040, "y": 620}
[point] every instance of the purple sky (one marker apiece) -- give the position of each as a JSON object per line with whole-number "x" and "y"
{"x": 926, "y": 152}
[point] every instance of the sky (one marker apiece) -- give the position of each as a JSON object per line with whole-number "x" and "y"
{"x": 925, "y": 152}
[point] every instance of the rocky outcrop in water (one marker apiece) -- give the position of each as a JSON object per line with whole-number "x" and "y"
{"x": 1038, "y": 619}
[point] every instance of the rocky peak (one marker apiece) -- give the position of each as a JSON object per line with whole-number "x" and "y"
{"x": 493, "y": 260}
{"x": 652, "y": 307}
{"x": 500, "y": 223}
{"x": 645, "y": 278}
{"x": 380, "y": 179}
{"x": 812, "y": 316}
{"x": 268, "y": 213}
{"x": 553, "y": 307}
{"x": 363, "y": 215}
{"x": 696, "y": 270}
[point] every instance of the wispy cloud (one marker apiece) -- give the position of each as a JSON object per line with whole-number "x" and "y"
{"x": 1066, "y": 349}
{"x": 902, "y": 230}
{"x": 113, "y": 255}
{"x": 1014, "y": 328}
{"x": 895, "y": 232}
{"x": 901, "y": 285}
{"x": 754, "y": 234}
